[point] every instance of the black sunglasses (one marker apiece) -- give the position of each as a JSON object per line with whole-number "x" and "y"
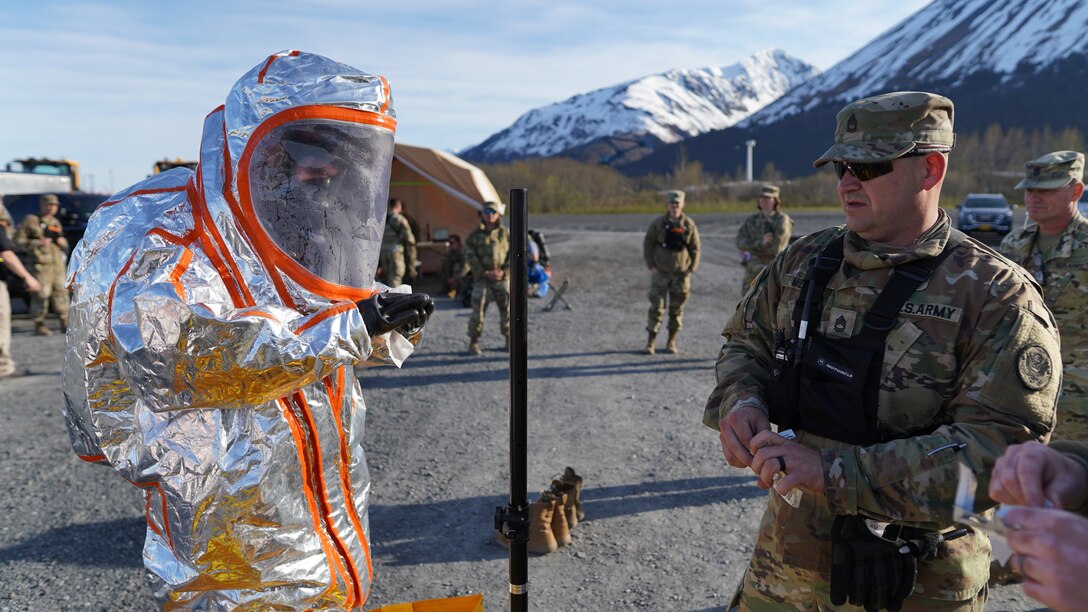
{"x": 867, "y": 171}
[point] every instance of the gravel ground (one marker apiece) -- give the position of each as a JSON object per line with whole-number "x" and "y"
{"x": 669, "y": 526}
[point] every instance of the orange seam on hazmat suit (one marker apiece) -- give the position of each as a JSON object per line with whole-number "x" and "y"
{"x": 336, "y": 402}
{"x": 323, "y": 496}
{"x": 139, "y": 193}
{"x": 300, "y": 448}
{"x": 333, "y": 310}
{"x": 268, "y": 64}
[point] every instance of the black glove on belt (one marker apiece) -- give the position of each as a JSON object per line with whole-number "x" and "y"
{"x": 405, "y": 312}
{"x": 867, "y": 570}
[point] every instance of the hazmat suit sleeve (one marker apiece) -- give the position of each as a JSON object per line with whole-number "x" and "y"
{"x": 177, "y": 351}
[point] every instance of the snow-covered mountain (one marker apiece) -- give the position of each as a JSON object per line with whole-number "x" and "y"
{"x": 947, "y": 42}
{"x": 1019, "y": 63}
{"x": 630, "y": 119}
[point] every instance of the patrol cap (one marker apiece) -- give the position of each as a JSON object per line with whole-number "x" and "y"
{"x": 1053, "y": 170}
{"x": 49, "y": 199}
{"x": 674, "y": 196}
{"x": 888, "y": 126}
{"x": 769, "y": 191}
{"x": 499, "y": 207}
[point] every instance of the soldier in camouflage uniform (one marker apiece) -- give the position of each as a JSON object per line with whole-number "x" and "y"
{"x": 454, "y": 267}
{"x": 398, "y": 257}
{"x": 1054, "y": 249}
{"x": 926, "y": 349}
{"x": 763, "y": 234}
{"x": 671, "y": 250}
{"x": 487, "y": 251}
{"x": 43, "y": 237}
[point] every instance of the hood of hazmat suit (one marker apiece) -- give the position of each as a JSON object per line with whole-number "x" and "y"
{"x": 213, "y": 336}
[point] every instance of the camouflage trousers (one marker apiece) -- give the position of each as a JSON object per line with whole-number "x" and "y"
{"x": 769, "y": 585}
{"x": 393, "y": 267}
{"x": 1072, "y": 422}
{"x": 7, "y": 364}
{"x": 751, "y": 271}
{"x": 483, "y": 292}
{"x": 53, "y": 292}
{"x": 677, "y": 288}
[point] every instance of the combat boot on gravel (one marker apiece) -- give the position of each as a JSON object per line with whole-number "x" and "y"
{"x": 474, "y": 346}
{"x": 566, "y": 491}
{"x": 649, "y": 350}
{"x": 560, "y": 528}
{"x": 671, "y": 347}
{"x": 42, "y": 330}
{"x": 541, "y": 537}
{"x": 569, "y": 477}
{"x": 64, "y": 326}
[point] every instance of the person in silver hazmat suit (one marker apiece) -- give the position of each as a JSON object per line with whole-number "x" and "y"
{"x": 216, "y": 319}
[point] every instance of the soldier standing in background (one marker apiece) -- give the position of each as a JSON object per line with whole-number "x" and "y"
{"x": 487, "y": 251}
{"x": 453, "y": 268}
{"x": 43, "y": 237}
{"x": 671, "y": 250}
{"x": 9, "y": 263}
{"x": 1054, "y": 249}
{"x": 398, "y": 259}
{"x": 763, "y": 235}
{"x": 896, "y": 348}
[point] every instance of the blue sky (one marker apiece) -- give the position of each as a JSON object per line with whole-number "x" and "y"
{"x": 119, "y": 85}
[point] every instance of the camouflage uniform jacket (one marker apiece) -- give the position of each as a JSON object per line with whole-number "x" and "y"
{"x": 453, "y": 264}
{"x": 1065, "y": 270}
{"x": 750, "y": 235}
{"x": 668, "y": 261}
{"x": 29, "y": 237}
{"x": 398, "y": 236}
{"x": 487, "y": 250}
{"x": 965, "y": 363}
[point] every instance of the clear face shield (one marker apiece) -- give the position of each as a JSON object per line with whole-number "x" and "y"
{"x": 319, "y": 188}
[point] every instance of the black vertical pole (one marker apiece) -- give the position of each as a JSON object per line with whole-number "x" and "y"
{"x": 519, "y": 341}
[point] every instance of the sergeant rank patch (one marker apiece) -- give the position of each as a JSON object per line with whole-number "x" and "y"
{"x": 1033, "y": 365}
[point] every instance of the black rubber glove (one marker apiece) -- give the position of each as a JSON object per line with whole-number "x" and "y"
{"x": 867, "y": 570}
{"x": 405, "y": 312}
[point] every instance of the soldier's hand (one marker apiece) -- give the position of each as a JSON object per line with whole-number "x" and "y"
{"x": 803, "y": 466}
{"x": 1031, "y": 474}
{"x": 32, "y": 284}
{"x": 1051, "y": 549}
{"x": 767, "y": 238}
{"x": 736, "y": 431}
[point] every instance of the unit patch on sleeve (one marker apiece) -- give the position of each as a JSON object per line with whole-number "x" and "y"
{"x": 943, "y": 312}
{"x": 1034, "y": 368}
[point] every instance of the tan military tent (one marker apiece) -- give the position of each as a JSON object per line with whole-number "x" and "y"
{"x": 442, "y": 195}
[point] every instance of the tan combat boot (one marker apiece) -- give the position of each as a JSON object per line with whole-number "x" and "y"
{"x": 42, "y": 330}
{"x": 566, "y": 490}
{"x": 560, "y": 528}
{"x": 64, "y": 326}
{"x": 541, "y": 537}
{"x": 649, "y": 350}
{"x": 569, "y": 477}
{"x": 671, "y": 347}
{"x": 474, "y": 346}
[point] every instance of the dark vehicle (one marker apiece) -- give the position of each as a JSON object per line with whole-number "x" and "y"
{"x": 1082, "y": 205}
{"x": 985, "y": 212}
{"x": 75, "y": 210}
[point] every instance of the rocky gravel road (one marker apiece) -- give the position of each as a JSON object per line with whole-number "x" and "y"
{"x": 669, "y": 526}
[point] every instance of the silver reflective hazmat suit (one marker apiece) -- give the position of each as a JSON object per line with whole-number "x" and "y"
{"x": 213, "y": 335}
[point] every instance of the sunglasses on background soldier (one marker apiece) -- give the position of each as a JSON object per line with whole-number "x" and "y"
{"x": 867, "y": 171}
